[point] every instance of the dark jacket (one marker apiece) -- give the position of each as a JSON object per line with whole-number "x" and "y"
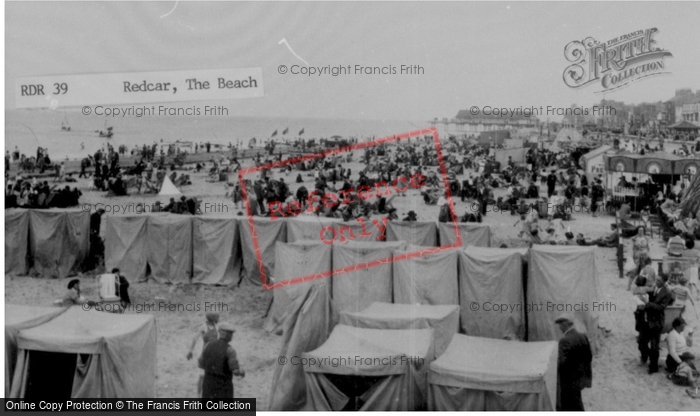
{"x": 655, "y": 308}
{"x": 575, "y": 356}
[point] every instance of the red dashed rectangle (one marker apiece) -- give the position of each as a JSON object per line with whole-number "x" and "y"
{"x": 358, "y": 146}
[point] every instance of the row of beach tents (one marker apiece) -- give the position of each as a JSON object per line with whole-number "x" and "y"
{"x": 182, "y": 249}
{"x": 463, "y": 311}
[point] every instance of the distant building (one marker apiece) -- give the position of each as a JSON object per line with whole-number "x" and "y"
{"x": 691, "y": 113}
{"x": 467, "y": 123}
{"x": 683, "y": 96}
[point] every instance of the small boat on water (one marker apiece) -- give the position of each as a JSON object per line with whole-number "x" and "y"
{"x": 108, "y": 133}
{"x": 64, "y": 124}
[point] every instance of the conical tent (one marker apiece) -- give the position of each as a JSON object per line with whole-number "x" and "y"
{"x": 168, "y": 188}
{"x": 17, "y": 318}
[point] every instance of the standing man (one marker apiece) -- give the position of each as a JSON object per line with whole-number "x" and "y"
{"x": 208, "y": 332}
{"x": 650, "y": 337}
{"x": 574, "y": 366}
{"x": 220, "y": 364}
{"x": 96, "y": 245}
{"x": 596, "y": 195}
{"x": 551, "y": 183}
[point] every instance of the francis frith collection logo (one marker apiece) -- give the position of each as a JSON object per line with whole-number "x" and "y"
{"x": 616, "y": 63}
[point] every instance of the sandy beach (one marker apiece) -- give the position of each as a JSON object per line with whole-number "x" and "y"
{"x": 620, "y": 382}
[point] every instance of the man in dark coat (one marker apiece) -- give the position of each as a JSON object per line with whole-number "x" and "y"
{"x": 574, "y": 366}
{"x": 551, "y": 184}
{"x": 96, "y": 244}
{"x": 650, "y": 336}
{"x": 219, "y": 362}
{"x": 123, "y": 288}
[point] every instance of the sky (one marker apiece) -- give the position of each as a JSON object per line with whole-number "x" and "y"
{"x": 473, "y": 54}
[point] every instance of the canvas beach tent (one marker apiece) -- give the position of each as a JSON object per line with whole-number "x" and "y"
{"x": 473, "y": 234}
{"x": 17, "y": 318}
{"x": 216, "y": 251}
{"x": 355, "y": 290}
{"x": 428, "y": 279}
{"x": 58, "y": 242}
{"x": 295, "y": 260}
{"x": 125, "y": 244}
{"x": 442, "y": 319}
{"x": 304, "y": 310}
{"x": 492, "y": 278}
{"x": 87, "y": 354}
{"x": 483, "y": 374}
{"x": 16, "y": 241}
{"x": 308, "y": 228}
{"x": 418, "y": 233}
{"x": 268, "y": 232}
{"x": 169, "y": 248}
{"x": 369, "y": 369}
{"x": 168, "y": 188}
{"x": 564, "y": 280}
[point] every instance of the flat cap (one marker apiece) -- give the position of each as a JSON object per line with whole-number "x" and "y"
{"x": 226, "y": 327}
{"x": 564, "y": 318}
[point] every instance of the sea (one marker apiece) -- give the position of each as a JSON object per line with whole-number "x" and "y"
{"x": 28, "y": 129}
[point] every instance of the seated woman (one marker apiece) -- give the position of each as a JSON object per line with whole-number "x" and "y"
{"x": 611, "y": 240}
{"x": 678, "y": 350}
{"x": 73, "y": 296}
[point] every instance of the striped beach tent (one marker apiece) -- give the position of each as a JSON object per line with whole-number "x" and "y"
{"x": 691, "y": 200}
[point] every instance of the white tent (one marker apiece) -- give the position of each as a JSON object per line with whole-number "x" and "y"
{"x": 87, "y": 354}
{"x": 168, "y": 188}
{"x": 369, "y": 369}
{"x": 483, "y": 374}
{"x": 442, "y": 319}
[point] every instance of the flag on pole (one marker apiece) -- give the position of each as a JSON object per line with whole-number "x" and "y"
{"x": 274, "y": 134}
{"x": 285, "y": 130}
{"x": 301, "y": 132}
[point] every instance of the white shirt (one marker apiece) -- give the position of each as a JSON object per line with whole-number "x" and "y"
{"x": 676, "y": 345}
